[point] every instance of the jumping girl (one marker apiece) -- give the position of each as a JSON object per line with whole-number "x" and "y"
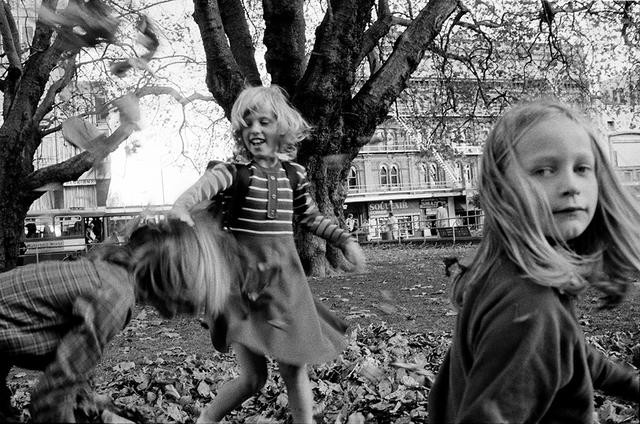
{"x": 278, "y": 317}
{"x": 557, "y": 221}
{"x": 58, "y": 316}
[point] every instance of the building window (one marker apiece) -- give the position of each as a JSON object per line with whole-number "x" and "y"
{"x": 384, "y": 175}
{"x": 433, "y": 173}
{"x": 394, "y": 176}
{"x": 468, "y": 173}
{"x": 424, "y": 173}
{"x": 457, "y": 170}
{"x": 353, "y": 178}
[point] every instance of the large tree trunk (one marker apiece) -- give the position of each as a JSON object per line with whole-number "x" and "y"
{"x": 14, "y": 199}
{"x": 328, "y": 188}
{"x": 344, "y": 117}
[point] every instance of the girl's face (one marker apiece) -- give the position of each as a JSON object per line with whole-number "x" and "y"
{"x": 557, "y": 155}
{"x": 261, "y": 137}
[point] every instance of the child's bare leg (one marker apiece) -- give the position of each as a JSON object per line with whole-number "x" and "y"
{"x": 253, "y": 375}
{"x": 299, "y": 392}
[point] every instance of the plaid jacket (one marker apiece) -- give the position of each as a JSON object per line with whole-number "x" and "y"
{"x": 58, "y": 317}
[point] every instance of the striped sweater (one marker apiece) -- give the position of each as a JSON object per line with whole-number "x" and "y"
{"x": 270, "y": 203}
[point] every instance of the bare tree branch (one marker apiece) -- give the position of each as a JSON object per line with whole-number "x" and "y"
{"x": 371, "y": 103}
{"x": 331, "y": 70}
{"x": 10, "y": 38}
{"x": 224, "y": 77}
{"x": 179, "y": 97}
{"x": 235, "y": 26}
{"x": 47, "y": 102}
{"x": 376, "y": 31}
{"x": 50, "y": 130}
{"x": 74, "y": 167}
{"x": 284, "y": 37}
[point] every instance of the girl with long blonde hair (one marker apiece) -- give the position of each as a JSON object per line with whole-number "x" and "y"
{"x": 556, "y": 222}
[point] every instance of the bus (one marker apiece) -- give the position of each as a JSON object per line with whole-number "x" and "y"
{"x": 67, "y": 233}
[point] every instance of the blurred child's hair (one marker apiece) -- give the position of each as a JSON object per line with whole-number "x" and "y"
{"x": 112, "y": 253}
{"x": 292, "y": 127}
{"x": 179, "y": 268}
{"x": 606, "y": 255}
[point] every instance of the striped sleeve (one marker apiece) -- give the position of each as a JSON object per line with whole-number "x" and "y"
{"x": 213, "y": 181}
{"x": 310, "y": 217}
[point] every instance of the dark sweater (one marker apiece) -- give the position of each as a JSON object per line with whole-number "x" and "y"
{"x": 519, "y": 356}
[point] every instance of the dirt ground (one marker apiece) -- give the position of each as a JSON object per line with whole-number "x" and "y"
{"x": 404, "y": 286}
{"x": 401, "y": 299}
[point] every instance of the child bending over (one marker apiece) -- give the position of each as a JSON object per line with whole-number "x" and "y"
{"x": 557, "y": 221}
{"x": 280, "y": 317}
{"x": 58, "y": 316}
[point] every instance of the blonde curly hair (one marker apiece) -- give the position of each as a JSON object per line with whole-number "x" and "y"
{"x": 292, "y": 127}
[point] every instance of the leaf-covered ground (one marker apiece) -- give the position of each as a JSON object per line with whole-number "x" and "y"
{"x": 401, "y": 323}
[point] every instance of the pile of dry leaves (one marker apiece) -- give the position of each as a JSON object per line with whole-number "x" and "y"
{"x": 382, "y": 377}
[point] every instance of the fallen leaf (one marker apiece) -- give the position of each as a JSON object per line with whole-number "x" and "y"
{"x": 170, "y": 390}
{"x": 203, "y": 389}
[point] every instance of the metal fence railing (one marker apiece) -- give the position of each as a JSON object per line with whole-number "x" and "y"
{"x": 467, "y": 228}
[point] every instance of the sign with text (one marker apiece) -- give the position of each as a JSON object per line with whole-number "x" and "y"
{"x": 449, "y": 232}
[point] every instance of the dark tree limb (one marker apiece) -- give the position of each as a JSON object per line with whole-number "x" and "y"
{"x": 156, "y": 90}
{"x": 74, "y": 167}
{"x": 371, "y": 104}
{"x": 224, "y": 77}
{"x": 285, "y": 39}
{"x": 46, "y": 105}
{"x": 376, "y": 31}
{"x": 326, "y": 85}
{"x": 10, "y": 37}
{"x": 240, "y": 42}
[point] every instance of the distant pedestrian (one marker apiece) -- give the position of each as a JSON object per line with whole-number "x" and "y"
{"x": 392, "y": 226}
{"x": 350, "y": 223}
{"x": 557, "y": 222}
{"x": 442, "y": 216}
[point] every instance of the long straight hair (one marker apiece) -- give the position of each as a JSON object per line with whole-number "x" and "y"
{"x": 606, "y": 255}
{"x": 179, "y": 268}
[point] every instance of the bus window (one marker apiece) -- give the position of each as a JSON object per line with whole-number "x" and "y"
{"x": 66, "y": 226}
{"x": 93, "y": 230}
{"x": 38, "y": 227}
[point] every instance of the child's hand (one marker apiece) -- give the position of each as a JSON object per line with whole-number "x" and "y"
{"x": 353, "y": 253}
{"x": 182, "y": 214}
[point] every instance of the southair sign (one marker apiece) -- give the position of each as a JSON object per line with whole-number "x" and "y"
{"x": 386, "y": 206}
{"x": 382, "y": 209}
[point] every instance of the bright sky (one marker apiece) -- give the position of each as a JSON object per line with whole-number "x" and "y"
{"x": 157, "y": 173}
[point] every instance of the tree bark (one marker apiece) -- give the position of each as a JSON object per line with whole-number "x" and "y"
{"x": 285, "y": 39}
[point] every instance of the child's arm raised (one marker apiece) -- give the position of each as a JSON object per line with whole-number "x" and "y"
{"x": 208, "y": 185}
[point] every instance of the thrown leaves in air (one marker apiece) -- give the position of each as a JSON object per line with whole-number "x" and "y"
{"x": 148, "y": 39}
{"x": 81, "y": 23}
